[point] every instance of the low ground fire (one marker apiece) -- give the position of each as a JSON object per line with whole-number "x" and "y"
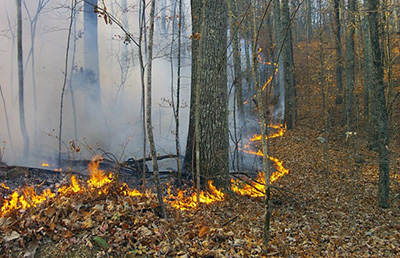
{"x": 185, "y": 199}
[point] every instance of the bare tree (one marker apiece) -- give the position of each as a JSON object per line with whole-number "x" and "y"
{"x": 21, "y": 80}
{"x": 65, "y": 79}
{"x": 350, "y": 62}
{"x": 142, "y": 34}
{"x": 379, "y": 104}
{"x": 148, "y": 112}
{"x": 33, "y": 19}
{"x": 338, "y": 47}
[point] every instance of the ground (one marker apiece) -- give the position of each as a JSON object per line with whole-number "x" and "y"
{"x": 316, "y": 213}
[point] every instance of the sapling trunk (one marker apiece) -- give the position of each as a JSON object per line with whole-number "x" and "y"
{"x": 148, "y": 112}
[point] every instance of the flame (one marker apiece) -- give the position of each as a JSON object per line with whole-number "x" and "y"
{"x": 100, "y": 183}
{"x": 183, "y": 200}
{"x": 4, "y": 186}
{"x": 73, "y": 188}
{"x": 97, "y": 176}
{"x": 257, "y": 187}
{"x": 254, "y": 189}
{"x": 27, "y": 197}
{"x": 44, "y": 164}
{"x": 281, "y": 131}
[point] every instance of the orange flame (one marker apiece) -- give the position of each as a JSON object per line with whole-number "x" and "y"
{"x": 29, "y": 198}
{"x": 257, "y": 187}
{"x": 185, "y": 201}
{"x": 97, "y": 176}
{"x": 4, "y": 186}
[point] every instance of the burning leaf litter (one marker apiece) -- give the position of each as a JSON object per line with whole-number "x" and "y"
{"x": 305, "y": 224}
{"x": 183, "y": 200}
{"x": 112, "y": 214}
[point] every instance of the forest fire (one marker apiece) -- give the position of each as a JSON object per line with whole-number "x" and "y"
{"x": 256, "y": 187}
{"x": 29, "y": 198}
{"x": 183, "y": 202}
{"x": 100, "y": 183}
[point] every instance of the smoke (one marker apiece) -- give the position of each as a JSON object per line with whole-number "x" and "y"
{"x": 116, "y": 125}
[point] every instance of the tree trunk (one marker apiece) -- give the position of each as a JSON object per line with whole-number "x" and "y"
{"x": 288, "y": 64}
{"x": 213, "y": 94}
{"x": 148, "y": 111}
{"x": 350, "y": 62}
{"x": 338, "y": 47}
{"x": 237, "y": 64}
{"x": 91, "y": 52}
{"x": 21, "y": 81}
{"x": 308, "y": 20}
{"x": 142, "y": 34}
{"x": 379, "y": 103}
{"x": 178, "y": 89}
{"x": 196, "y": 23}
{"x": 279, "y": 83}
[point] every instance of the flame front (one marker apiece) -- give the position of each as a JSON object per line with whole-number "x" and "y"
{"x": 183, "y": 200}
{"x": 256, "y": 188}
{"x": 27, "y": 197}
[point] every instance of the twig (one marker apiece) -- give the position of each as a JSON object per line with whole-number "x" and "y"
{"x": 230, "y": 220}
{"x": 109, "y": 155}
{"x": 249, "y": 184}
{"x": 7, "y": 122}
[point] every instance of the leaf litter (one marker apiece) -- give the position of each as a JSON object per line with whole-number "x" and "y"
{"x": 308, "y": 220}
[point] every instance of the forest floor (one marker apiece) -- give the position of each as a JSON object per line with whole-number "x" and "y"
{"x": 316, "y": 213}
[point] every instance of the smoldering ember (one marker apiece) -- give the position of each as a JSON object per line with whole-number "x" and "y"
{"x": 213, "y": 128}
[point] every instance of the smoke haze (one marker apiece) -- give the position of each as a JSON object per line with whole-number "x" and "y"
{"x": 116, "y": 126}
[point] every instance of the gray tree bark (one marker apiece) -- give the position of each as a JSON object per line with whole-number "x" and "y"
{"x": 308, "y": 19}
{"x": 379, "y": 104}
{"x": 148, "y": 111}
{"x": 237, "y": 64}
{"x": 196, "y": 24}
{"x": 21, "y": 81}
{"x": 279, "y": 82}
{"x": 213, "y": 141}
{"x": 338, "y": 47}
{"x": 350, "y": 61}
{"x": 288, "y": 64}
{"x": 91, "y": 51}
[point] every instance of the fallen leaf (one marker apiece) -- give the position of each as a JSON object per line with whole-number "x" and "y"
{"x": 101, "y": 242}
{"x": 12, "y": 236}
{"x": 204, "y": 231}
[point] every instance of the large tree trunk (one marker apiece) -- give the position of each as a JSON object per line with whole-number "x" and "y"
{"x": 379, "y": 104}
{"x": 213, "y": 141}
{"x": 21, "y": 81}
{"x": 148, "y": 111}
